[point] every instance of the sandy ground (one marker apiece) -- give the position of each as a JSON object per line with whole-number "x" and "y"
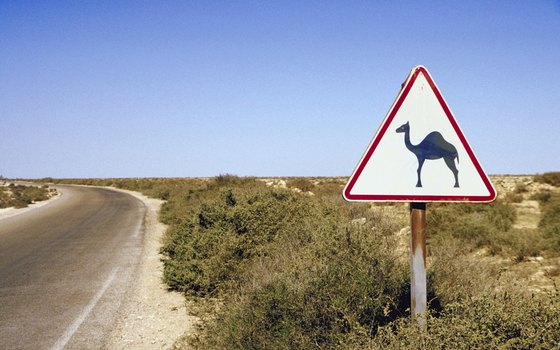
{"x": 151, "y": 317}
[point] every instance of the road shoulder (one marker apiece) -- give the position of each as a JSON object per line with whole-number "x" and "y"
{"x": 151, "y": 317}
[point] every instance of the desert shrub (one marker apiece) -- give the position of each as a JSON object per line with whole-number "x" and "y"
{"x": 224, "y": 180}
{"x": 330, "y": 189}
{"x": 208, "y": 249}
{"x": 292, "y": 270}
{"x": 551, "y": 178}
{"x": 5, "y": 197}
{"x": 490, "y": 322}
{"x": 520, "y": 188}
{"x": 549, "y": 224}
{"x": 33, "y": 193}
{"x": 543, "y": 196}
{"x": 524, "y": 243}
{"x": 479, "y": 225}
{"x": 20, "y": 196}
{"x": 513, "y": 197}
{"x": 304, "y": 184}
{"x": 491, "y": 225}
{"x": 457, "y": 276}
{"x": 336, "y": 284}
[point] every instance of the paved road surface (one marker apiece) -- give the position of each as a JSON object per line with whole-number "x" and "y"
{"x": 65, "y": 268}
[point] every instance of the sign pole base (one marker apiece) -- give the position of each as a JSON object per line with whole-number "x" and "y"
{"x": 418, "y": 290}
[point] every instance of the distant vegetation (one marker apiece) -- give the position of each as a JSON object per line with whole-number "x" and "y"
{"x": 273, "y": 268}
{"x": 552, "y": 178}
{"x": 476, "y": 225}
{"x": 549, "y": 223}
{"x": 19, "y": 196}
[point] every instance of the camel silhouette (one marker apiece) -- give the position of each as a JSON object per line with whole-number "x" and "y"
{"x": 433, "y": 146}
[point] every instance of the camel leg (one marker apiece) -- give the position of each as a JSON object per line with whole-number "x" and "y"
{"x": 419, "y": 171}
{"x": 451, "y": 165}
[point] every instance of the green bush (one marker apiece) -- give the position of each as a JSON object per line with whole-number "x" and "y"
{"x": 207, "y": 250}
{"x": 20, "y": 196}
{"x": 330, "y": 285}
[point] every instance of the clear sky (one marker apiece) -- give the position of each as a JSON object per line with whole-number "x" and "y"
{"x": 265, "y": 88}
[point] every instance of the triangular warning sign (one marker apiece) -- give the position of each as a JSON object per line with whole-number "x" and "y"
{"x": 419, "y": 154}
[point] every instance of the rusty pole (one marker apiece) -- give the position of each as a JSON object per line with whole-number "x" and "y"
{"x": 418, "y": 291}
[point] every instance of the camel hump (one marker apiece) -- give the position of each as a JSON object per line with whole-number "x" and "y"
{"x": 435, "y": 140}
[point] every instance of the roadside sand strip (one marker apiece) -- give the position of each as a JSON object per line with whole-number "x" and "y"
{"x": 151, "y": 317}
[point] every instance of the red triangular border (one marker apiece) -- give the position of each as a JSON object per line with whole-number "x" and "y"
{"x": 381, "y": 132}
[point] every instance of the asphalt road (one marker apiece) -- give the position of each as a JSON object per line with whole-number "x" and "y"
{"x": 65, "y": 269}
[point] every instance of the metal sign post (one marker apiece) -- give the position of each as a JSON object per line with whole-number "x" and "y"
{"x": 418, "y": 290}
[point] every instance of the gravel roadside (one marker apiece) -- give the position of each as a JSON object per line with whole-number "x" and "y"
{"x": 151, "y": 317}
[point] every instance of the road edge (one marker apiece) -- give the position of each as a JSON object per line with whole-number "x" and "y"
{"x": 151, "y": 317}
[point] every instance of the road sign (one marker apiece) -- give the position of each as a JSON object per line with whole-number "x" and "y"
{"x": 419, "y": 153}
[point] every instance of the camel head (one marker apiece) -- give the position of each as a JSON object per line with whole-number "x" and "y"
{"x": 403, "y": 128}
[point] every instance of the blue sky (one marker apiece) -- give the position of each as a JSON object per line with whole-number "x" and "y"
{"x": 265, "y": 88}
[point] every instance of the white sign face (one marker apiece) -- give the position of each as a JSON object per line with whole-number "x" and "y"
{"x": 419, "y": 153}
